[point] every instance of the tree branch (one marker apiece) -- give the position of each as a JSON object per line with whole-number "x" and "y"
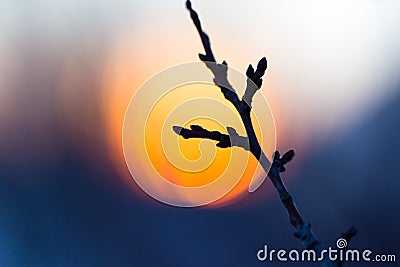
{"x": 224, "y": 140}
{"x": 209, "y": 56}
{"x": 254, "y": 80}
{"x": 219, "y": 70}
{"x": 274, "y": 169}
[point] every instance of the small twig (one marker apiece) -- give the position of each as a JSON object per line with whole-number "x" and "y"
{"x": 219, "y": 70}
{"x": 224, "y": 140}
{"x": 349, "y": 234}
{"x": 209, "y": 56}
{"x": 254, "y": 80}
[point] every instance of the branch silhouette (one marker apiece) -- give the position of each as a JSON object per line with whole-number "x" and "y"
{"x": 250, "y": 142}
{"x": 224, "y": 140}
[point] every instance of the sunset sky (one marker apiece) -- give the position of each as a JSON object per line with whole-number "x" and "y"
{"x": 78, "y": 63}
{"x": 69, "y": 68}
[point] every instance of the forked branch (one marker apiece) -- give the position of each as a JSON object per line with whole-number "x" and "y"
{"x": 250, "y": 142}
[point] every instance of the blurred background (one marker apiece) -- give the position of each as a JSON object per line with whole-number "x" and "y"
{"x": 69, "y": 68}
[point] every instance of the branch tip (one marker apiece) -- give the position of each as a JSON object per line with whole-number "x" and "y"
{"x": 288, "y": 156}
{"x": 280, "y": 162}
{"x": 232, "y": 131}
{"x": 188, "y": 5}
{"x": 254, "y": 78}
{"x": 349, "y": 234}
{"x": 250, "y": 71}
{"x": 262, "y": 64}
{"x": 177, "y": 129}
